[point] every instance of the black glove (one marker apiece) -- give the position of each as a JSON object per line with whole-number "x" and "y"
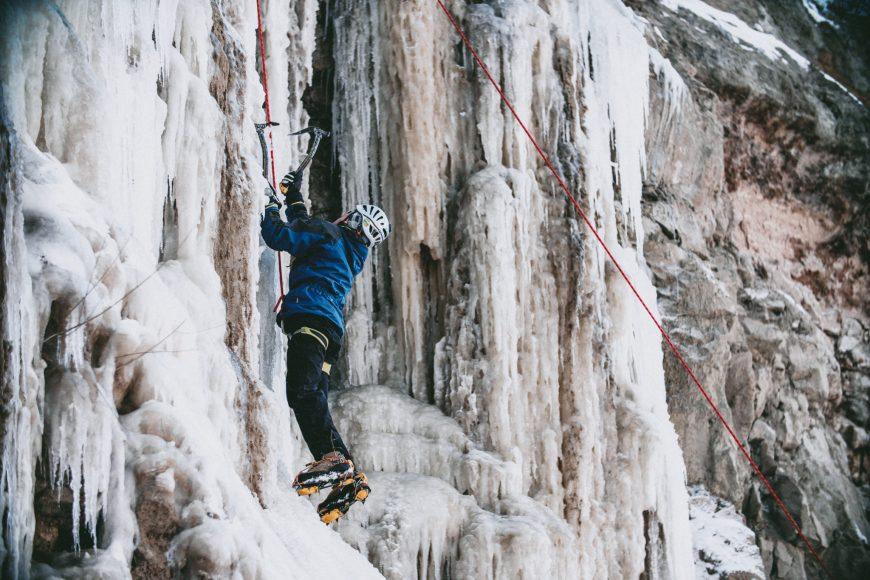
{"x": 273, "y": 199}
{"x": 291, "y": 185}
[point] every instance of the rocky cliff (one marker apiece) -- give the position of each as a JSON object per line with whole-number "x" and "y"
{"x": 760, "y": 258}
{"x": 513, "y": 405}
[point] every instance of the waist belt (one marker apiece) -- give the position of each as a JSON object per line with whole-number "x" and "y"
{"x": 319, "y": 337}
{"x": 314, "y": 333}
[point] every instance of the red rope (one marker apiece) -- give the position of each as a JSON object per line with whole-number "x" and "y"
{"x": 628, "y": 281}
{"x": 271, "y": 144}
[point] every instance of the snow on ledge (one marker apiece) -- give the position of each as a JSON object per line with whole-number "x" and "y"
{"x": 814, "y": 12}
{"x": 724, "y": 546}
{"x": 772, "y": 47}
{"x": 741, "y": 32}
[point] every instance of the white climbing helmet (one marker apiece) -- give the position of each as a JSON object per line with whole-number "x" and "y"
{"x": 371, "y": 221}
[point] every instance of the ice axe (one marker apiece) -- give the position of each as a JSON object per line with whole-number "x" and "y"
{"x": 316, "y": 136}
{"x": 264, "y": 148}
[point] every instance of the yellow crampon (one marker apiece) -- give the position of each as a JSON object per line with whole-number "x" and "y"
{"x": 342, "y": 497}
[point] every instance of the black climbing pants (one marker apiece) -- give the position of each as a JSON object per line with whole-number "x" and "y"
{"x": 312, "y": 349}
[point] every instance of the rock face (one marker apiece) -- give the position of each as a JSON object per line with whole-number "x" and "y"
{"x": 509, "y": 398}
{"x": 760, "y": 258}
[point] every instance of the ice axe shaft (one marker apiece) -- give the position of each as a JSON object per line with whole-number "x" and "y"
{"x": 316, "y": 136}
{"x": 264, "y": 147}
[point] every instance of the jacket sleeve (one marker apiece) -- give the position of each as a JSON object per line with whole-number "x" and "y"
{"x": 288, "y": 237}
{"x": 295, "y": 204}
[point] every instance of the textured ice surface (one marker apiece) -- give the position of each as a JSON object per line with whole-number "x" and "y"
{"x": 548, "y": 379}
{"x": 441, "y": 507}
{"x": 133, "y": 241}
{"x": 396, "y": 433}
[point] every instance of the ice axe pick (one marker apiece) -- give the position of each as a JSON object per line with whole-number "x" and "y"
{"x": 317, "y": 135}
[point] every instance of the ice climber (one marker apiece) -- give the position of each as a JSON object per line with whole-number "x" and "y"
{"x": 327, "y": 257}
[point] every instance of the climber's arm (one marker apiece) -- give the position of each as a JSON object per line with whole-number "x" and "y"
{"x": 291, "y": 187}
{"x": 290, "y": 237}
{"x": 284, "y": 237}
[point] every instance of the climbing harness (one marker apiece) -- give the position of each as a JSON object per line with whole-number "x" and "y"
{"x": 665, "y": 335}
{"x": 313, "y": 333}
{"x": 321, "y": 338}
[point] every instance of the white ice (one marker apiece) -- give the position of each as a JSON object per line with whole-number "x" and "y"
{"x": 121, "y": 110}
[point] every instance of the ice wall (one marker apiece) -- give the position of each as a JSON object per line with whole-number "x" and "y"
{"x": 133, "y": 400}
{"x": 507, "y": 316}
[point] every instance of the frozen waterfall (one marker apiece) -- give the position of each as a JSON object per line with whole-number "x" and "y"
{"x": 500, "y": 384}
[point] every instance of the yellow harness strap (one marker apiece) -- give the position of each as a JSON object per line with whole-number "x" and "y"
{"x": 319, "y": 337}
{"x": 315, "y": 334}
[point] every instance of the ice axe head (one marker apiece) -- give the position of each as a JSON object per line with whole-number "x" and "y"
{"x": 264, "y": 147}
{"x": 316, "y": 135}
{"x": 313, "y": 131}
{"x": 262, "y": 126}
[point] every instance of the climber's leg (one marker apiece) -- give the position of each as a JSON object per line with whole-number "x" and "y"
{"x": 307, "y": 391}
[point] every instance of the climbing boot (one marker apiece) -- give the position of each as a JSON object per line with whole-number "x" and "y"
{"x": 345, "y": 494}
{"x": 331, "y": 469}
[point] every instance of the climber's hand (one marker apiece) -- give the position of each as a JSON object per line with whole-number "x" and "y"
{"x": 273, "y": 199}
{"x": 291, "y": 184}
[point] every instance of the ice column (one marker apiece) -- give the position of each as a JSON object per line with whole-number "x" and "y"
{"x": 508, "y": 316}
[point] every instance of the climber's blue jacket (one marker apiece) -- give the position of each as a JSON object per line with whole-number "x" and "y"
{"x": 326, "y": 260}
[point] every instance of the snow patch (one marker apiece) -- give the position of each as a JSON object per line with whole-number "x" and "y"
{"x": 842, "y": 87}
{"x": 815, "y": 12}
{"x": 724, "y": 546}
{"x": 740, "y": 31}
